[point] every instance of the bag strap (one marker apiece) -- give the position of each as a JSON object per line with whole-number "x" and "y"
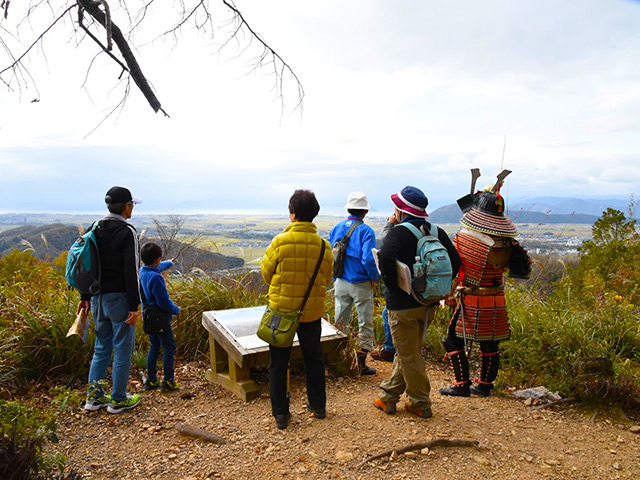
{"x": 313, "y": 277}
{"x": 143, "y": 296}
{"x": 353, "y": 226}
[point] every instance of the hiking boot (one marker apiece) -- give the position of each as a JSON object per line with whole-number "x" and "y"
{"x": 367, "y": 370}
{"x": 150, "y": 385}
{"x": 457, "y": 390}
{"x": 94, "y": 403}
{"x": 170, "y": 385}
{"x": 363, "y": 368}
{"x": 422, "y": 413}
{"x": 387, "y": 407}
{"x": 383, "y": 355}
{"x": 127, "y": 404}
{"x": 282, "y": 421}
{"x": 482, "y": 389}
{"x": 317, "y": 412}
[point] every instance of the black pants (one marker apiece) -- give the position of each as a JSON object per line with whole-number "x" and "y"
{"x": 309, "y": 337}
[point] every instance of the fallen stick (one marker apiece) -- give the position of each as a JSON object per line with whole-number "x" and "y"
{"x": 189, "y": 431}
{"x": 439, "y": 442}
{"x": 555, "y": 402}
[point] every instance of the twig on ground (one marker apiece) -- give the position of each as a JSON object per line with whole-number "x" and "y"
{"x": 439, "y": 442}
{"x": 189, "y": 431}
{"x": 556, "y": 402}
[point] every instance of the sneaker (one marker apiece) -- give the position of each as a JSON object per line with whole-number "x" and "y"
{"x": 422, "y": 413}
{"x": 170, "y": 385}
{"x": 127, "y": 404}
{"x": 383, "y": 355}
{"x": 387, "y": 407}
{"x": 149, "y": 385}
{"x": 282, "y": 421}
{"x": 318, "y": 412}
{"x": 93, "y": 403}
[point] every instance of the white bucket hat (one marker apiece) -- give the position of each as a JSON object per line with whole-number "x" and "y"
{"x": 357, "y": 201}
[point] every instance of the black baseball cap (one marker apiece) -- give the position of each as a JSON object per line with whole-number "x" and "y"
{"x": 120, "y": 195}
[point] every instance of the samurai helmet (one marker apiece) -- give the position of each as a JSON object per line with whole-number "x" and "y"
{"x": 484, "y": 210}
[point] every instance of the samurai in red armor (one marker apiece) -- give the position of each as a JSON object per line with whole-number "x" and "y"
{"x": 487, "y": 246}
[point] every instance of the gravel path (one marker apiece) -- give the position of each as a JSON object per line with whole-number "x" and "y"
{"x": 516, "y": 442}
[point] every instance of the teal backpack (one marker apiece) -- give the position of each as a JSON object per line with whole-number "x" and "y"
{"x": 432, "y": 272}
{"x": 83, "y": 264}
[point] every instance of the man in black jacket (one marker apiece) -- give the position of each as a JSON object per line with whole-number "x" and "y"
{"x": 115, "y": 308}
{"x": 408, "y": 318}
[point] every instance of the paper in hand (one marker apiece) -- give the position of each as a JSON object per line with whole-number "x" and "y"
{"x": 80, "y": 326}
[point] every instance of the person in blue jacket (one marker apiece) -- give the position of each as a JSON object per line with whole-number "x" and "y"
{"x": 155, "y": 292}
{"x": 355, "y": 286}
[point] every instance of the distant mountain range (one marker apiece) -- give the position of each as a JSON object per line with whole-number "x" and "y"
{"x": 542, "y": 210}
{"x": 49, "y": 241}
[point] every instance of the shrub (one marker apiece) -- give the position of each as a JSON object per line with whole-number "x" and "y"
{"x": 593, "y": 313}
{"x": 36, "y": 310}
{"x": 24, "y": 433}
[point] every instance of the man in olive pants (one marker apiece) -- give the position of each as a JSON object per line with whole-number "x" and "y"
{"x": 408, "y": 318}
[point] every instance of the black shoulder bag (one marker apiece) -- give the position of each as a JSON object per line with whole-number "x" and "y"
{"x": 155, "y": 320}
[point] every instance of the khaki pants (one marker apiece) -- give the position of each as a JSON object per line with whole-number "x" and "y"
{"x": 408, "y": 373}
{"x": 361, "y": 295}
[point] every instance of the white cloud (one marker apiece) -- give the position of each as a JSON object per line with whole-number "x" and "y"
{"x": 397, "y": 93}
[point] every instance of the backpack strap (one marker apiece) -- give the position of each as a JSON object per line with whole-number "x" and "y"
{"x": 433, "y": 231}
{"x": 412, "y": 228}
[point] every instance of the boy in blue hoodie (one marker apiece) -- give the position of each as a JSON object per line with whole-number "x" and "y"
{"x": 155, "y": 292}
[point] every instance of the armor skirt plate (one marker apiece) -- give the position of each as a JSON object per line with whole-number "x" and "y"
{"x": 484, "y": 317}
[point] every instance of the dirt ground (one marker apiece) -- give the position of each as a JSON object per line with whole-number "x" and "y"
{"x": 516, "y": 441}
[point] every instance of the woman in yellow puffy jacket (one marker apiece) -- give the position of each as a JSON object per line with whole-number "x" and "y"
{"x": 287, "y": 266}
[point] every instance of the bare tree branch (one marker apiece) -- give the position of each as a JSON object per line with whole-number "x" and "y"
{"x": 18, "y": 60}
{"x": 275, "y": 58}
{"x": 193, "y": 13}
{"x": 5, "y": 6}
{"x": 438, "y": 442}
{"x": 135, "y": 71}
{"x": 167, "y": 236}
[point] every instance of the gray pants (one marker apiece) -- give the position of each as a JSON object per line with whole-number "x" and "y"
{"x": 361, "y": 294}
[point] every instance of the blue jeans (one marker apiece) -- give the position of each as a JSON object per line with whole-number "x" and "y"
{"x": 168, "y": 344}
{"x": 113, "y": 336}
{"x": 388, "y": 340}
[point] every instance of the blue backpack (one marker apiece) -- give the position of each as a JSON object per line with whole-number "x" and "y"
{"x": 432, "y": 272}
{"x": 83, "y": 264}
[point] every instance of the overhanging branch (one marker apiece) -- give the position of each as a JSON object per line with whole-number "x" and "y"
{"x": 92, "y": 8}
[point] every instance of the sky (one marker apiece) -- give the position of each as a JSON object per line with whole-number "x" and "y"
{"x": 396, "y": 93}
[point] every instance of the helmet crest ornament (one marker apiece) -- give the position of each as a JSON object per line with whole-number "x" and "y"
{"x": 484, "y": 210}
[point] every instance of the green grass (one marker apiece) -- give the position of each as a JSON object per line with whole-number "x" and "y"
{"x": 565, "y": 314}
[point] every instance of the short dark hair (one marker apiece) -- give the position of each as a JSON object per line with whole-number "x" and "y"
{"x": 116, "y": 208}
{"x": 304, "y": 204}
{"x": 357, "y": 212}
{"x": 150, "y": 252}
